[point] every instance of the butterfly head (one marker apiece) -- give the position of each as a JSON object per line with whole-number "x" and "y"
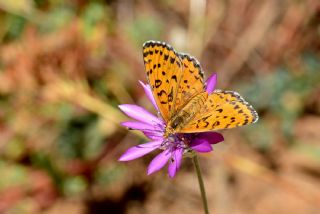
{"x": 174, "y": 125}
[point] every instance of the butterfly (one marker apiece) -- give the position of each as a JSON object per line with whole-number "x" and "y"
{"x": 177, "y": 84}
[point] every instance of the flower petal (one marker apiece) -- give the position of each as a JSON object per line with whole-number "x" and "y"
{"x": 175, "y": 164}
{"x": 154, "y": 135}
{"x": 211, "y": 137}
{"x": 202, "y": 142}
{"x": 201, "y": 145}
{"x": 140, "y": 126}
{"x": 211, "y": 83}
{"x": 139, "y": 113}
{"x": 149, "y": 94}
{"x": 159, "y": 161}
{"x": 139, "y": 151}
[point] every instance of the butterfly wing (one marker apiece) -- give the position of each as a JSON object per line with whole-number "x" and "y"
{"x": 164, "y": 71}
{"x": 191, "y": 82}
{"x": 222, "y": 110}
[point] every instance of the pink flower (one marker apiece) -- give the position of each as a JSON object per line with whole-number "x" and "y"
{"x": 173, "y": 147}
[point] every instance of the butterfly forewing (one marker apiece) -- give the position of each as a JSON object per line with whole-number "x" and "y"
{"x": 222, "y": 110}
{"x": 164, "y": 70}
{"x": 191, "y": 82}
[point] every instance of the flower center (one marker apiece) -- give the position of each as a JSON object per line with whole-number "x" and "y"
{"x": 175, "y": 141}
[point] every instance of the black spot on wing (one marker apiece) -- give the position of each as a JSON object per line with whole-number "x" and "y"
{"x": 161, "y": 93}
{"x": 246, "y": 121}
{"x": 215, "y": 124}
{"x": 220, "y": 110}
{"x": 158, "y": 83}
{"x": 174, "y": 77}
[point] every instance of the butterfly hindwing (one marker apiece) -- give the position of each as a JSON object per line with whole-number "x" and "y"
{"x": 222, "y": 110}
{"x": 164, "y": 70}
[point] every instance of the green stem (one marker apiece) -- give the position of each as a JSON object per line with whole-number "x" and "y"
{"x": 201, "y": 185}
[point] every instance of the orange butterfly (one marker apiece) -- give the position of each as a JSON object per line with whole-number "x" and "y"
{"x": 177, "y": 85}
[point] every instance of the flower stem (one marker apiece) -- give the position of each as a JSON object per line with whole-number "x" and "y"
{"x": 201, "y": 185}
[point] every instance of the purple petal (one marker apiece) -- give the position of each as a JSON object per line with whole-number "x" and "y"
{"x": 211, "y": 83}
{"x": 202, "y": 142}
{"x": 140, "y": 126}
{"x": 159, "y": 161}
{"x": 139, "y": 151}
{"x": 175, "y": 164}
{"x": 139, "y": 113}
{"x": 211, "y": 137}
{"x": 149, "y": 94}
{"x": 154, "y": 135}
{"x": 201, "y": 145}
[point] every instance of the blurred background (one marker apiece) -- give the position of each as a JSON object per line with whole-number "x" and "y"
{"x": 66, "y": 65}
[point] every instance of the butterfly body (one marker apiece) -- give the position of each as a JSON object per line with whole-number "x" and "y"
{"x": 186, "y": 113}
{"x": 176, "y": 81}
